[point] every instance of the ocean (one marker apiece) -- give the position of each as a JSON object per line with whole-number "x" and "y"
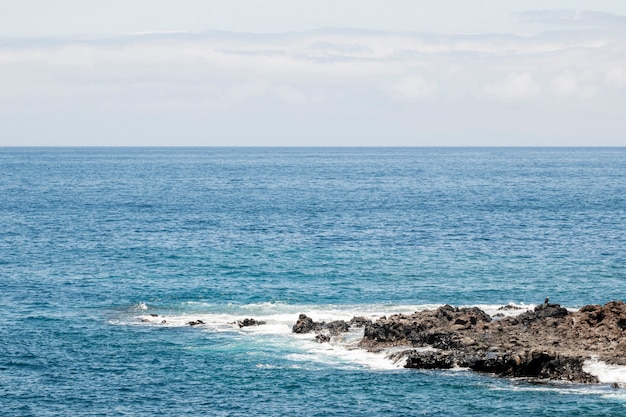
{"x": 107, "y": 253}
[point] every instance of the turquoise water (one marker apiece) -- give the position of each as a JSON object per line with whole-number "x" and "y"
{"x": 95, "y": 241}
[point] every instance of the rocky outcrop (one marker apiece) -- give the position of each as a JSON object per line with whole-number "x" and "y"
{"x": 548, "y": 342}
{"x": 325, "y": 330}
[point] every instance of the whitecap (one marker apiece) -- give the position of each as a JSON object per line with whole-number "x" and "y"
{"x": 606, "y": 373}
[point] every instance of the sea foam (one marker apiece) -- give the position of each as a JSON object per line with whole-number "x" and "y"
{"x": 606, "y": 373}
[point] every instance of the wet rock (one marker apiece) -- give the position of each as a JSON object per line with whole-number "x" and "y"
{"x": 548, "y": 342}
{"x": 510, "y": 307}
{"x": 429, "y": 360}
{"x": 359, "y": 321}
{"x": 336, "y": 327}
{"x": 423, "y": 328}
{"x": 323, "y": 336}
{"x": 195, "y": 323}
{"x": 249, "y": 322}
{"x": 305, "y": 325}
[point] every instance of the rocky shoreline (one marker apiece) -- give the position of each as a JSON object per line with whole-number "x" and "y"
{"x": 548, "y": 342}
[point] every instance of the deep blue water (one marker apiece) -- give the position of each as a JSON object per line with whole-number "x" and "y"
{"x": 95, "y": 240}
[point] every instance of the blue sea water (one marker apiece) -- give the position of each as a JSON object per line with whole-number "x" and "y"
{"x": 99, "y": 246}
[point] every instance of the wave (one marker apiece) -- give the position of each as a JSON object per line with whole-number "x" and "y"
{"x": 606, "y": 373}
{"x": 302, "y": 349}
{"x": 279, "y": 317}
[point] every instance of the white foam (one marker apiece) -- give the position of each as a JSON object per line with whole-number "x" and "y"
{"x": 605, "y": 372}
{"x": 514, "y": 309}
{"x": 279, "y": 317}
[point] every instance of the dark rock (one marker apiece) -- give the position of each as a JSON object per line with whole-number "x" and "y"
{"x": 306, "y": 325}
{"x": 336, "y": 327}
{"x": 417, "y": 329}
{"x": 543, "y": 311}
{"x": 359, "y": 321}
{"x": 323, "y": 337}
{"x": 249, "y": 322}
{"x": 548, "y": 342}
{"x": 195, "y": 323}
{"x": 154, "y": 315}
{"x": 509, "y": 307}
{"x": 429, "y": 360}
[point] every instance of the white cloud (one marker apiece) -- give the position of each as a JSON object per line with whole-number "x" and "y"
{"x": 616, "y": 77}
{"x": 244, "y": 91}
{"x": 548, "y": 16}
{"x": 515, "y": 86}
{"x": 290, "y": 95}
{"x": 352, "y": 76}
{"x": 412, "y": 87}
{"x": 568, "y": 83}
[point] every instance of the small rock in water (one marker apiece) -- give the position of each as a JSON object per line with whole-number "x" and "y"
{"x": 323, "y": 337}
{"x": 510, "y": 307}
{"x": 305, "y": 325}
{"x": 195, "y": 323}
{"x": 249, "y": 322}
{"x": 359, "y": 321}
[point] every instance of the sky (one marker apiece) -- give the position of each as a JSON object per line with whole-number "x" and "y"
{"x": 312, "y": 73}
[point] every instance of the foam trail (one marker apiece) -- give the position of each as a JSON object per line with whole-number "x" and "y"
{"x": 508, "y": 310}
{"x": 342, "y": 351}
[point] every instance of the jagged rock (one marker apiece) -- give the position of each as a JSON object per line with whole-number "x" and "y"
{"x": 429, "y": 360}
{"x": 359, "y": 321}
{"x": 195, "y": 322}
{"x": 548, "y": 342}
{"x": 416, "y": 329}
{"x": 543, "y": 311}
{"x": 249, "y": 322}
{"x": 323, "y": 336}
{"x": 336, "y": 327}
{"x": 306, "y": 325}
{"x": 510, "y": 307}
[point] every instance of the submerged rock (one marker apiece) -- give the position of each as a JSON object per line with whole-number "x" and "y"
{"x": 359, "y": 321}
{"x": 249, "y": 322}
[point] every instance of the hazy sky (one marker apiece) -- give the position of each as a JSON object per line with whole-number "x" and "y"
{"x": 277, "y": 72}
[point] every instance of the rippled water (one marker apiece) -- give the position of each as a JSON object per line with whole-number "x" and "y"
{"x": 99, "y": 246}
